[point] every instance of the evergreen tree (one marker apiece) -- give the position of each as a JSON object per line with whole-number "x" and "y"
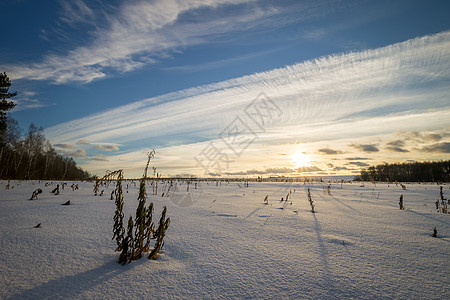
{"x": 5, "y": 104}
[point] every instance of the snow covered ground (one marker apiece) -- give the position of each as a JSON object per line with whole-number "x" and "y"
{"x": 229, "y": 244}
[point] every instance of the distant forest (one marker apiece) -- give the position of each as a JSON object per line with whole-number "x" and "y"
{"x": 436, "y": 171}
{"x": 31, "y": 156}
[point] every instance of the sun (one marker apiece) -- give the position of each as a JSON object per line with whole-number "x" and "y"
{"x": 300, "y": 159}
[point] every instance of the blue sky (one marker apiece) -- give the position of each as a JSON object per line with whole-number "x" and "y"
{"x": 345, "y": 84}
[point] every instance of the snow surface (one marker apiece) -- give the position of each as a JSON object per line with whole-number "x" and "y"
{"x": 229, "y": 244}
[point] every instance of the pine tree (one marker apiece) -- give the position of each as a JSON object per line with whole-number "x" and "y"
{"x": 5, "y": 105}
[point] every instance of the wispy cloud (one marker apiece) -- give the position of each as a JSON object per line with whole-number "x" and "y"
{"x": 217, "y": 63}
{"x": 397, "y": 146}
{"x": 28, "y": 100}
{"x": 359, "y": 164}
{"x": 425, "y": 136}
{"x": 340, "y": 169}
{"x": 321, "y": 90}
{"x": 139, "y": 33}
{"x": 340, "y": 98}
{"x": 329, "y": 151}
{"x": 83, "y": 142}
{"x": 80, "y": 153}
{"x": 269, "y": 171}
{"x": 98, "y": 157}
{"x": 107, "y": 147}
{"x": 357, "y": 158}
{"x": 439, "y": 147}
{"x": 76, "y": 11}
{"x": 308, "y": 169}
{"x": 65, "y": 146}
{"x": 366, "y": 147}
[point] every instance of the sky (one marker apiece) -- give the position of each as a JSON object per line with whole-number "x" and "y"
{"x": 232, "y": 88}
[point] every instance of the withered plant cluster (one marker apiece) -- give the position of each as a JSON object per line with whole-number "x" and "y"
{"x": 442, "y": 203}
{"x": 137, "y": 239}
{"x": 311, "y": 202}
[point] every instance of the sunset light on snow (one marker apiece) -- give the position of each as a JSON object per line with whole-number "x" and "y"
{"x": 225, "y": 149}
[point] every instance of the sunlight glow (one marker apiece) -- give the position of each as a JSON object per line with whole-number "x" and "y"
{"x": 300, "y": 159}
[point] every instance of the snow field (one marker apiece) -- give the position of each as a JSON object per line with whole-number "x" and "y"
{"x": 229, "y": 244}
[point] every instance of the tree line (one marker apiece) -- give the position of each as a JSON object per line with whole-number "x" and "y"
{"x": 31, "y": 156}
{"x": 433, "y": 171}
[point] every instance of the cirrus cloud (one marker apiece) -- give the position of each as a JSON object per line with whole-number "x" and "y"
{"x": 107, "y": 147}
{"x": 134, "y": 35}
{"x": 65, "y": 146}
{"x": 321, "y": 101}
